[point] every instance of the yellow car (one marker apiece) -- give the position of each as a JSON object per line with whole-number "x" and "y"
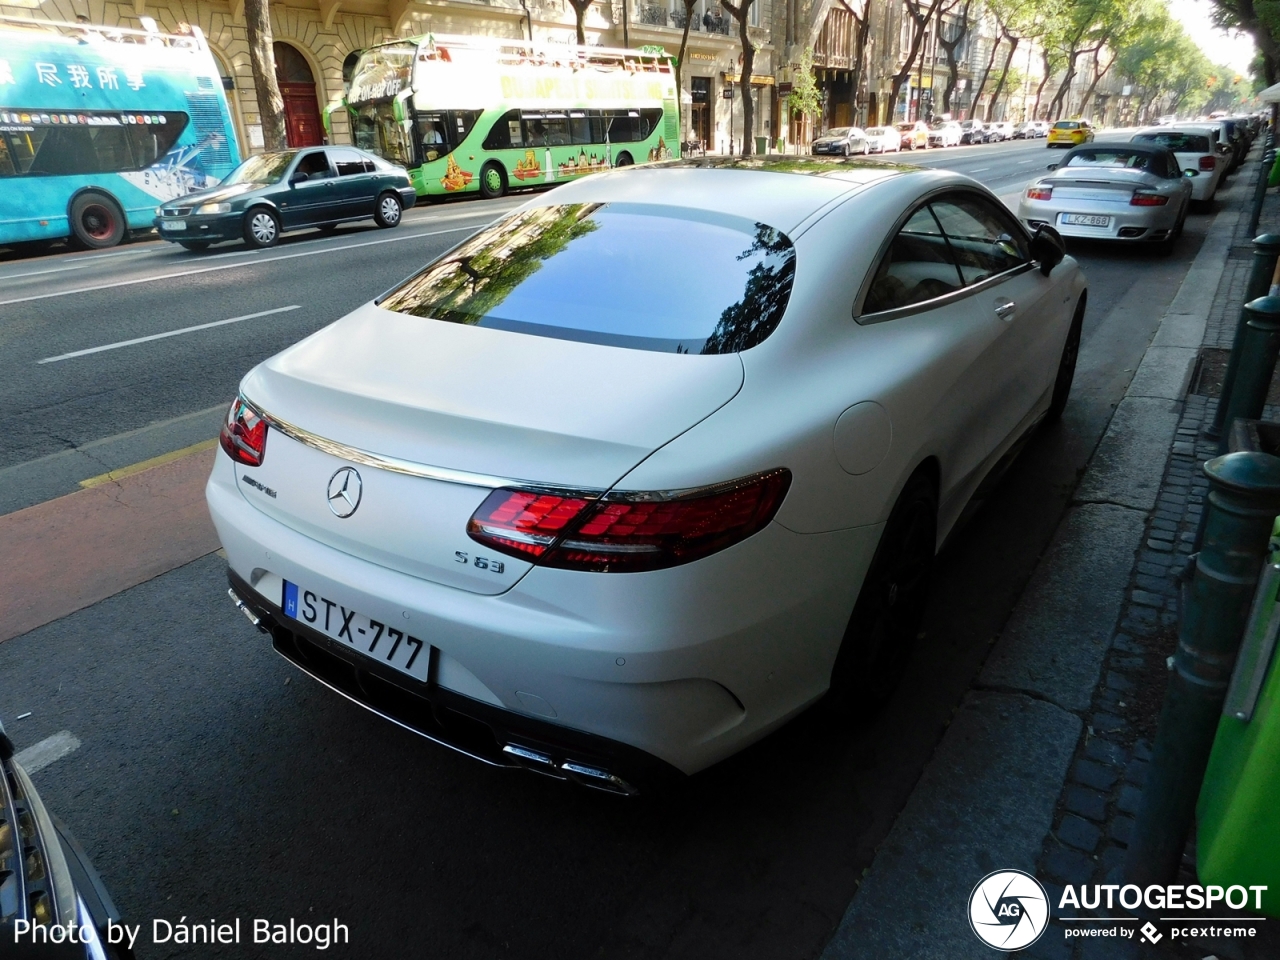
{"x": 1069, "y": 133}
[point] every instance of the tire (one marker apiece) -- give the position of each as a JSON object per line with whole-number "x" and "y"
{"x": 97, "y": 222}
{"x": 624, "y": 160}
{"x": 196, "y": 246}
{"x": 845, "y": 151}
{"x": 886, "y": 619}
{"x": 866, "y": 149}
{"x": 1066, "y": 367}
{"x": 387, "y": 211}
{"x": 493, "y": 180}
{"x": 261, "y": 227}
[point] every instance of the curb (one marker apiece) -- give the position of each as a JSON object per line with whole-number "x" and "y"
{"x": 986, "y": 799}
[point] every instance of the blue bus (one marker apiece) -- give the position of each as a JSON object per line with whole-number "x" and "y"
{"x": 100, "y": 125}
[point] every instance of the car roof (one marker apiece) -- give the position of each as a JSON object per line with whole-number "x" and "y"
{"x": 779, "y": 190}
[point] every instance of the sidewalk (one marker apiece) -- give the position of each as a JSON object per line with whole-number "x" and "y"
{"x": 1042, "y": 766}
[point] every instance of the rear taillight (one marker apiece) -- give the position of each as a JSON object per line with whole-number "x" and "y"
{"x": 244, "y": 435}
{"x": 1039, "y": 193}
{"x": 1141, "y": 199}
{"x": 1207, "y": 163}
{"x": 626, "y": 532}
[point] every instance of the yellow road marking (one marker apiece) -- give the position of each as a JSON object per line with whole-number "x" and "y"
{"x": 145, "y": 465}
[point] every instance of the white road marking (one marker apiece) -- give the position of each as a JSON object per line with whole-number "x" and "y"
{"x": 980, "y": 170}
{"x": 49, "y": 750}
{"x": 1032, "y": 160}
{"x": 171, "y": 333}
{"x": 310, "y": 252}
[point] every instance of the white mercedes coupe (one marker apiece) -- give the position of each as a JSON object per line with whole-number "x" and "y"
{"x": 630, "y": 477}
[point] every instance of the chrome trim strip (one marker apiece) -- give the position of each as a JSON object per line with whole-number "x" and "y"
{"x": 952, "y": 297}
{"x": 393, "y": 464}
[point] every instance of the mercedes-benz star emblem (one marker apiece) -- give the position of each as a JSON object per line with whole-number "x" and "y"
{"x": 344, "y": 492}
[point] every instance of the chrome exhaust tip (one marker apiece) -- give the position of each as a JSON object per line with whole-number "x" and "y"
{"x": 243, "y": 608}
{"x": 580, "y": 773}
{"x": 533, "y": 760}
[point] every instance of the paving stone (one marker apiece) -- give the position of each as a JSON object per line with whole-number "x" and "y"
{"x": 1136, "y": 772}
{"x": 1068, "y": 865}
{"x": 1153, "y": 570}
{"x": 1125, "y": 642}
{"x": 1159, "y": 545}
{"x": 1105, "y": 751}
{"x": 1053, "y": 945}
{"x": 1105, "y": 723}
{"x": 1112, "y": 859}
{"x": 1162, "y": 585}
{"x": 1161, "y": 524}
{"x": 1078, "y": 833}
{"x": 1128, "y": 798}
{"x": 1146, "y": 598}
{"x": 1094, "y": 774}
{"x": 1086, "y": 802}
{"x": 1142, "y": 614}
{"x": 1122, "y": 829}
{"x": 1142, "y": 750}
{"x": 1117, "y": 681}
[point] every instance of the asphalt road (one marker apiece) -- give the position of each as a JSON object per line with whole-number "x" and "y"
{"x": 214, "y": 781}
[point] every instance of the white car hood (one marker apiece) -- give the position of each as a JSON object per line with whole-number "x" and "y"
{"x": 489, "y": 401}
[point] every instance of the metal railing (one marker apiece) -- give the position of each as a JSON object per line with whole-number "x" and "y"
{"x": 651, "y": 14}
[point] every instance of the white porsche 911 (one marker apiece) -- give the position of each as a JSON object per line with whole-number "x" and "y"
{"x": 627, "y": 479}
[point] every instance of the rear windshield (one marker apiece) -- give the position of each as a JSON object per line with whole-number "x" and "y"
{"x": 644, "y": 276}
{"x": 1066, "y": 125}
{"x": 1116, "y": 159}
{"x": 1176, "y": 141}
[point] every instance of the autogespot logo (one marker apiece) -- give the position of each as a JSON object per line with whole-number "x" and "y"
{"x": 1008, "y": 910}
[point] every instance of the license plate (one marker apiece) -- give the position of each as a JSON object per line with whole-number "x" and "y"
{"x": 175, "y": 224}
{"x": 1085, "y": 220}
{"x": 379, "y": 641}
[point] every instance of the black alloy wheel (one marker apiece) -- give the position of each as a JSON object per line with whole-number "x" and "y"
{"x": 885, "y": 623}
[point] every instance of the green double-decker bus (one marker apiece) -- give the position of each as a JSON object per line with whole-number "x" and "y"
{"x": 474, "y": 114}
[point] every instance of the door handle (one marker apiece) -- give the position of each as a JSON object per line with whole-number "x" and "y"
{"x": 1005, "y": 309}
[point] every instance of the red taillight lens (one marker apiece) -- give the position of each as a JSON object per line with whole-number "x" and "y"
{"x": 1207, "y": 163}
{"x": 1141, "y": 199}
{"x": 244, "y": 435}
{"x": 1039, "y": 193}
{"x": 626, "y": 532}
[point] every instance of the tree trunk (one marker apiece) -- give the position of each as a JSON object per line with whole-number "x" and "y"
{"x": 1086, "y": 110}
{"x": 263, "y": 62}
{"x": 1055, "y": 105}
{"x": 580, "y": 8}
{"x": 861, "y": 31}
{"x": 1004, "y": 74}
{"x": 1048, "y": 72}
{"x": 740, "y": 12}
{"x": 953, "y": 68}
{"x": 684, "y": 43}
{"x": 917, "y": 38}
{"x": 977, "y": 94}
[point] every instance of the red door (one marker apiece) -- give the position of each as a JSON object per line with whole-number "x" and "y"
{"x": 302, "y": 115}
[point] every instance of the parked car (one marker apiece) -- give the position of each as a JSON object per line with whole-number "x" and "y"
{"x": 640, "y": 570}
{"x": 913, "y": 134}
{"x": 1070, "y": 133}
{"x": 1112, "y": 191}
{"x": 973, "y": 131}
{"x": 884, "y": 139}
{"x": 944, "y": 133}
{"x": 1194, "y": 150}
{"x": 1042, "y": 128}
{"x": 999, "y": 131}
{"x": 272, "y": 193}
{"x": 843, "y": 141}
{"x": 1026, "y": 130}
{"x": 46, "y": 878}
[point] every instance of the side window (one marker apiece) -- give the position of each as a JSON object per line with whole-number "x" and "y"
{"x": 348, "y": 162}
{"x": 505, "y": 132}
{"x": 917, "y": 267}
{"x": 984, "y": 240}
{"x": 315, "y": 166}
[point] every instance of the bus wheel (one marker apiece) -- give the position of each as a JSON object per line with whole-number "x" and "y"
{"x": 194, "y": 245}
{"x": 624, "y": 160}
{"x": 261, "y": 227}
{"x": 96, "y": 221}
{"x": 387, "y": 213}
{"x": 493, "y": 180}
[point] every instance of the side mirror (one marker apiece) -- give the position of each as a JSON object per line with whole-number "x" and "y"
{"x": 1047, "y": 247}
{"x": 1052, "y": 166}
{"x": 296, "y": 178}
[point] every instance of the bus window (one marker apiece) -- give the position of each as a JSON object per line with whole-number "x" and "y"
{"x": 535, "y": 129}
{"x": 112, "y": 144}
{"x": 376, "y": 129}
{"x": 442, "y": 131}
{"x": 557, "y": 125}
{"x": 505, "y": 132}
{"x": 579, "y": 127}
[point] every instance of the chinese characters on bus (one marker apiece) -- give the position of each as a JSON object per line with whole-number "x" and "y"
{"x": 78, "y": 74}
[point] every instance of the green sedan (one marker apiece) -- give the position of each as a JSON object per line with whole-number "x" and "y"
{"x": 290, "y": 190}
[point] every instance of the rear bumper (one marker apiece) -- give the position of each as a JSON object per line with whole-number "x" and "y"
{"x": 487, "y": 733}
{"x": 1127, "y": 223}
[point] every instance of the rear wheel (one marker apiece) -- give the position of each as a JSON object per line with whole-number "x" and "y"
{"x": 97, "y": 221}
{"x": 624, "y": 160}
{"x": 261, "y": 228}
{"x": 1066, "y": 366}
{"x": 493, "y": 180}
{"x": 387, "y": 212}
{"x": 886, "y": 619}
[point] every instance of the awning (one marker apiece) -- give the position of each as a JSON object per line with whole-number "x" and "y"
{"x": 1271, "y": 94}
{"x": 756, "y": 79}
